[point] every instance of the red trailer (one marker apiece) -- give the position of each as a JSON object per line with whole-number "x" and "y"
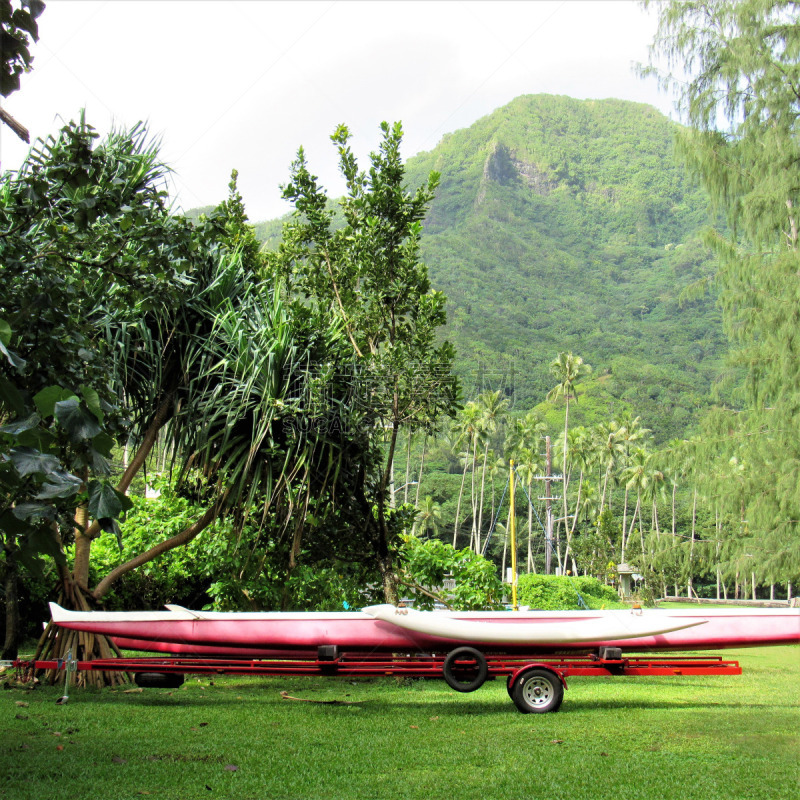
{"x": 535, "y": 682}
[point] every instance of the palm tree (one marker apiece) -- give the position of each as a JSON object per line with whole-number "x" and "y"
{"x": 466, "y": 429}
{"x": 522, "y": 444}
{"x": 567, "y": 369}
{"x": 636, "y": 476}
{"x": 635, "y": 434}
{"x": 429, "y": 517}
{"x": 609, "y": 442}
{"x": 496, "y": 467}
{"x": 528, "y": 463}
{"x": 492, "y": 413}
{"x": 579, "y": 448}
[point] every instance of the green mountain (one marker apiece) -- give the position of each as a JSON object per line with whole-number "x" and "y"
{"x": 562, "y": 224}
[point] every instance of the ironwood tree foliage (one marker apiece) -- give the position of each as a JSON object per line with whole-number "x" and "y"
{"x": 742, "y": 103}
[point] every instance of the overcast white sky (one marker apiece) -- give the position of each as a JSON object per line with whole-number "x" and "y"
{"x": 243, "y": 84}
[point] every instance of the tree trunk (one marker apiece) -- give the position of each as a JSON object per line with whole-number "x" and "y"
{"x": 10, "y": 587}
{"x": 571, "y": 530}
{"x": 390, "y": 581}
{"x": 531, "y": 565}
{"x": 625, "y": 512}
{"x": 474, "y": 535}
{"x": 83, "y": 543}
{"x": 59, "y": 643}
{"x": 421, "y": 467}
{"x": 383, "y": 549}
{"x": 480, "y": 508}
{"x": 460, "y": 495}
{"x": 408, "y": 467}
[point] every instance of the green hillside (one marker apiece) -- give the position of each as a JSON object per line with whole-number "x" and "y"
{"x": 562, "y": 224}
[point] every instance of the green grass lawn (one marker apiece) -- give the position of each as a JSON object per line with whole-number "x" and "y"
{"x": 663, "y": 737}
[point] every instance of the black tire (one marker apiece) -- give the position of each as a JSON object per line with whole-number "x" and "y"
{"x": 158, "y": 680}
{"x": 465, "y": 677}
{"x": 508, "y": 687}
{"x": 537, "y": 691}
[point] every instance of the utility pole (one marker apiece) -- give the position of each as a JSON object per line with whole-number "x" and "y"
{"x": 548, "y": 536}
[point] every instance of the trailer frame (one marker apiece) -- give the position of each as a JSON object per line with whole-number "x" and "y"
{"x": 535, "y": 682}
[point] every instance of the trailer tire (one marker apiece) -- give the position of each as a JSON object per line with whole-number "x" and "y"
{"x": 537, "y": 691}
{"x": 158, "y": 680}
{"x": 478, "y": 672}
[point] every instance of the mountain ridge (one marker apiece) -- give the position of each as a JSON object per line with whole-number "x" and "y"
{"x": 564, "y": 224}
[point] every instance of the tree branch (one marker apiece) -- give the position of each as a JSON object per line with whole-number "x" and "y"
{"x": 341, "y": 307}
{"x": 182, "y": 538}
{"x": 15, "y": 126}
{"x": 416, "y": 587}
{"x": 148, "y": 442}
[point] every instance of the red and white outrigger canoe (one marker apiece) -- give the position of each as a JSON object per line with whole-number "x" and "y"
{"x": 535, "y": 651}
{"x": 387, "y": 629}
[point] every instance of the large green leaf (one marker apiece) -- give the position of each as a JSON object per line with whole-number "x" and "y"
{"x": 46, "y": 399}
{"x": 106, "y": 502}
{"x": 12, "y": 358}
{"x": 79, "y": 423}
{"x": 34, "y": 511}
{"x": 21, "y": 425}
{"x": 29, "y": 461}
{"x": 103, "y": 443}
{"x": 92, "y": 400}
{"x": 59, "y": 484}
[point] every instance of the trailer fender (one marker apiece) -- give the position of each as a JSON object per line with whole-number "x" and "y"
{"x": 512, "y": 679}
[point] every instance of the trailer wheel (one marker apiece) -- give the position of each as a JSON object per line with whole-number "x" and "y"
{"x": 465, "y": 669}
{"x": 537, "y": 691}
{"x": 158, "y": 680}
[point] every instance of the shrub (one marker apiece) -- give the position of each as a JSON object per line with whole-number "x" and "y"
{"x": 558, "y": 593}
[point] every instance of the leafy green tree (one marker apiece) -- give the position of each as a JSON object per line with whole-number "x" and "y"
{"x": 366, "y": 272}
{"x": 740, "y": 100}
{"x": 426, "y": 565}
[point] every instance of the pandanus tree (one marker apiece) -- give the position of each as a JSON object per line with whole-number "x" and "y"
{"x": 173, "y": 325}
{"x": 83, "y": 227}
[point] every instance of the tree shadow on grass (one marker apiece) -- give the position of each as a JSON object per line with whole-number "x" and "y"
{"x": 678, "y": 704}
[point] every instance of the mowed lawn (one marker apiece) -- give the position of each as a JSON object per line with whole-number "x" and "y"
{"x": 662, "y": 737}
